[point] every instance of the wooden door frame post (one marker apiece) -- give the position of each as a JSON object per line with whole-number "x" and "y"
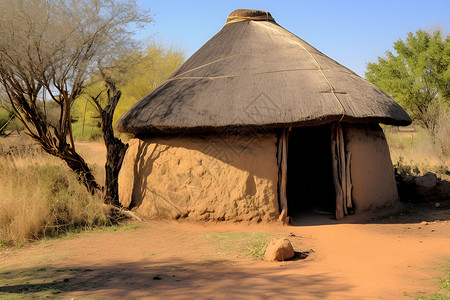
{"x": 282, "y": 165}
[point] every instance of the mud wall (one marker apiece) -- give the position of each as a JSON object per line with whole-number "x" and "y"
{"x": 214, "y": 178}
{"x": 372, "y": 172}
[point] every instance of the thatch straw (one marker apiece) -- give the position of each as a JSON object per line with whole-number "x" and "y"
{"x": 255, "y": 73}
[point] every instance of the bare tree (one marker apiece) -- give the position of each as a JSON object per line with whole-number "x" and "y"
{"x": 105, "y": 101}
{"x": 48, "y": 49}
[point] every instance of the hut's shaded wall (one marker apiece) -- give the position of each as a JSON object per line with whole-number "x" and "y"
{"x": 372, "y": 173}
{"x": 215, "y": 178}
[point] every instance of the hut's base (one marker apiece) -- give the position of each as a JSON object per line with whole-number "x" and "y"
{"x": 216, "y": 178}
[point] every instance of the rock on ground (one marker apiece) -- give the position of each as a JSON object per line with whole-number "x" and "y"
{"x": 425, "y": 188}
{"x": 429, "y": 180}
{"x": 279, "y": 250}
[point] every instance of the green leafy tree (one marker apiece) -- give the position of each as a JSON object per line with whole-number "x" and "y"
{"x": 417, "y": 76}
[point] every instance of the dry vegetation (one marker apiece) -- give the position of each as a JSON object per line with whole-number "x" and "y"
{"x": 40, "y": 196}
{"x": 415, "y": 150}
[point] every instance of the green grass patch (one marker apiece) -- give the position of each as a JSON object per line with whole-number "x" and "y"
{"x": 115, "y": 228}
{"x": 444, "y": 287}
{"x": 436, "y": 296}
{"x": 241, "y": 244}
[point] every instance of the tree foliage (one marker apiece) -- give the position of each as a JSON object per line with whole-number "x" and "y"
{"x": 135, "y": 74}
{"x": 418, "y": 75}
{"x": 48, "y": 49}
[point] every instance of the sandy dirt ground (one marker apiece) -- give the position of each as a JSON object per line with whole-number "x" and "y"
{"x": 394, "y": 257}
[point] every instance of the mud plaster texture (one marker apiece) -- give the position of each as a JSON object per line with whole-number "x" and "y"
{"x": 372, "y": 172}
{"x": 212, "y": 178}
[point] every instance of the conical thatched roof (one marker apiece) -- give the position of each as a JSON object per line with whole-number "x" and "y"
{"x": 254, "y": 72}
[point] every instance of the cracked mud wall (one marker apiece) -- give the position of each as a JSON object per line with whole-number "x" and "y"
{"x": 211, "y": 178}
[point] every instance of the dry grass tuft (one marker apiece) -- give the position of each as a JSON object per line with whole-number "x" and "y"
{"x": 442, "y": 135}
{"x": 416, "y": 148}
{"x": 40, "y": 196}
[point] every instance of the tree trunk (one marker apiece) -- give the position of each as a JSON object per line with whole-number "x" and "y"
{"x": 75, "y": 162}
{"x": 115, "y": 152}
{"x": 115, "y": 148}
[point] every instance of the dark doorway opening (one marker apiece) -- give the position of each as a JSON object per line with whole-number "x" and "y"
{"x": 310, "y": 184}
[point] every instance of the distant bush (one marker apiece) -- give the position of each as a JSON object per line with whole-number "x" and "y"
{"x": 13, "y": 124}
{"x": 88, "y": 132}
{"x": 406, "y": 169}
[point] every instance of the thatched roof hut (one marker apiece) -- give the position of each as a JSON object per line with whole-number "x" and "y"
{"x": 255, "y": 81}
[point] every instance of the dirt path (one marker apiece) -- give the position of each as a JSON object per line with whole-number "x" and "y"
{"x": 392, "y": 258}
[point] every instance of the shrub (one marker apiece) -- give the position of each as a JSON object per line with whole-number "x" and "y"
{"x": 406, "y": 169}
{"x": 41, "y": 197}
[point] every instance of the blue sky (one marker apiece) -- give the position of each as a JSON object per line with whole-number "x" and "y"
{"x": 351, "y": 32}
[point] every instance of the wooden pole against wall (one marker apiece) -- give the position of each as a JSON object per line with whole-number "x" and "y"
{"x": 279, "y": 155}
{"x": 341, "y": 172}
{"x": 283, "y": 196}
{"x": 342, "y": 168}
{"x": 349, "y": 181}
{"x": 336, "y": 173}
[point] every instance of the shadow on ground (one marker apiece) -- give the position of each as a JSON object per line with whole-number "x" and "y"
{"x": 171, "y": 279}
{"x": 406, "y": 213}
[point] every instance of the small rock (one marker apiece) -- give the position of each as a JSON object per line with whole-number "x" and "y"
{"x": 437, "y": 204}
{"x": 156, "y": 278}
{"x": 423, "y": 223}
{"x": 66, "y": 279}
{"x": 429, "y": 180}
{"x": 279, "y": 250}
